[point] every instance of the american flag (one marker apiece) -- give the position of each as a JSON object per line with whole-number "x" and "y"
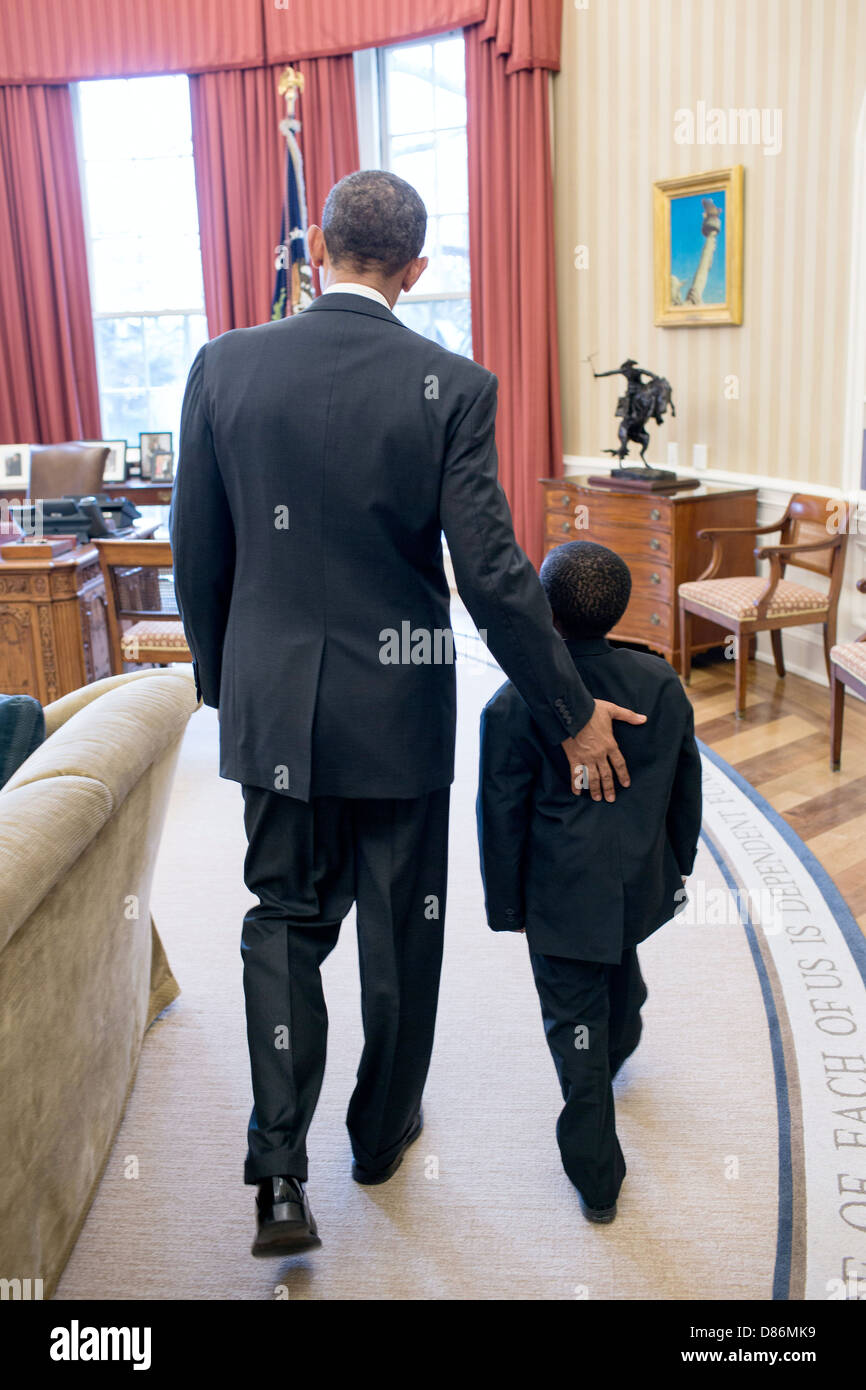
{"x": 293, "y": 288}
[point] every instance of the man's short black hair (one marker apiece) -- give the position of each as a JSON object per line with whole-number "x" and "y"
{"x": 374, "y": 221}
{"x": 588, "y": 587}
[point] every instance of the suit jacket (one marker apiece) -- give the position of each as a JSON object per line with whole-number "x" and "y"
{"x": 321, "y": 457}
{"x": 587, "y": 879}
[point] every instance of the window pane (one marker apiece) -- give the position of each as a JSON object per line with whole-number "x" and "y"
{"x": 409, "y": 73}
{"x": 166, "y": 349}
{"x": 124, "y": 414}
{"x": 165, "y": 196}
{"x": 413, "y": 157}
{"x": 446, "y": 321}
{"x": 164, "y": 409}
{"x": 130, "y": 117}
{"x": 448, "y": 249}
{"x": 450, "y": 67}
{"x": 146, "y": 275}
{"x": 120, "y": 353}
{"x": 112, "y": 205}
{"x": 425, "y": 143}
{"x": 452, "y": 172}
{"x": 196, "y": 334}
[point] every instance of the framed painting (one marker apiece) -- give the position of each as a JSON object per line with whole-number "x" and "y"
{"x": 698, "y": 247}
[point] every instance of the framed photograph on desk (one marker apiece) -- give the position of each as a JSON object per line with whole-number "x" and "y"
{"x": 115, "y": 464}
{"x": 163, "y": 468}
{"x": 15, "y": 465}
{"x": 152, "y": 444}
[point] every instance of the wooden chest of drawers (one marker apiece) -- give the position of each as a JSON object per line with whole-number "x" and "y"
{"x": 656, "y": 535}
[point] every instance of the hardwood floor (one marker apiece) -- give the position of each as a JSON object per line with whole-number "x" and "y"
{"x": 782, "y": 747}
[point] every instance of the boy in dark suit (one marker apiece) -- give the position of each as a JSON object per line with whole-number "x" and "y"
{"x": 586, "y": 881}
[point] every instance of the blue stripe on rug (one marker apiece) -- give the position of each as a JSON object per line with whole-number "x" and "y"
{"x": 854, "y": 938}
{"x": 784, "y": 1236}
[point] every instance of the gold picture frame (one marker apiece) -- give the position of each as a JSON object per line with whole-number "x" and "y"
{"x": 696, "y": 281}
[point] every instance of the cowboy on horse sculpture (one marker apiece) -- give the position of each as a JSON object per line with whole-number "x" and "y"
{"x": 642, "y": 399}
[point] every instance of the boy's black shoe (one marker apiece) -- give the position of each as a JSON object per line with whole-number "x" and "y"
{"x": 284, "y": 1222}
{"x": 601, "y": 1216}
{"x": 370, "y": 1177}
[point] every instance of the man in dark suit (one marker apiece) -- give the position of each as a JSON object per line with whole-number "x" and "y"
{"x": 585, "y": 882}
{"x": 321, "y": 458}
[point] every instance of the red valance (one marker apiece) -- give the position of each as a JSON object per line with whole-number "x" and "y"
{"x": 528, "y": 31}
{"x": 71, "y": 40}
{"x": 343, "y": 26}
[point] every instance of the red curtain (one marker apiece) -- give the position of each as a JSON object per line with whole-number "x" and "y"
{"x": 48, "y": 389}
{"x": 329, "y": 128}
{"x": 238, "y": 159}
{"x": 528, "y": 31}
{"x": 514, "y": 327}
{"x": 240, "y": 162}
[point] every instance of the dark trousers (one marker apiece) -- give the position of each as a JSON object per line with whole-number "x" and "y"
{"x": 307, "y": 862}
{"x": 592, "y": 1021}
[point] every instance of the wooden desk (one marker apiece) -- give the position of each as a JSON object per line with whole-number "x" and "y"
{"x": 53, "y": 626}
{"x": 143, "y": 494}
{"x": 656, "y": 535}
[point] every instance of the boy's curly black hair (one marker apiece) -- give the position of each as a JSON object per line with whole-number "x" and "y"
{"x": 588, "y": 587}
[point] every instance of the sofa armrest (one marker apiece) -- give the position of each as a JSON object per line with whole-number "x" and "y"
{"x": 57, "y": 713}
{"x": 45, "y": 827}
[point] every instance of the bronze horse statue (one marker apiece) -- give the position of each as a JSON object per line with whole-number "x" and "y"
{"x": 646, "y": 395}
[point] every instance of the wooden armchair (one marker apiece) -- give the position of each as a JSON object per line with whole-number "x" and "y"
{"x": 144, "y": 625}
{"x": 847, "y": 667}
{"x": 748, "y": 605}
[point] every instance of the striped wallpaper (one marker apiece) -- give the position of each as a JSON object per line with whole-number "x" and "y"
{"x": 628, "y": 66}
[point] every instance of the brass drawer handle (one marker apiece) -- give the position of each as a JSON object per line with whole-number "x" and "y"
{"x": 656, "y": 578}
{"x": 655, "y": 514}
{"x": 566, "y": 526}
{"x": 655, "y": 619}
{"x": 655, "y": 543}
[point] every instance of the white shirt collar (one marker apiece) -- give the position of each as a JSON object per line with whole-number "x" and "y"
{"x": 367, "y": 291}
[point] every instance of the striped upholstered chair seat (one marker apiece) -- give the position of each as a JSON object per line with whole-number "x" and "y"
{"x": 736, "y": 598}
{"x": 851, "y": 656}
{"x": 153, "y": 641}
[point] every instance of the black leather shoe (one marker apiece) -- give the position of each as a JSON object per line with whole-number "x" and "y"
{"x": 284, "y": 1222}
{"x": 601, "y": 1216}
{"x": 370, "y": 1177}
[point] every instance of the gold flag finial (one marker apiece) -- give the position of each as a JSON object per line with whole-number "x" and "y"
{"x": 290, "y": 86}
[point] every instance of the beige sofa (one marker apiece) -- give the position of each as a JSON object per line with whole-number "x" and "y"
{"x": 82, "y": 969}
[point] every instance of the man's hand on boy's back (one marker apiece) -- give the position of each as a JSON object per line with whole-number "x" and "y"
{"x": 594, "y": 755}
